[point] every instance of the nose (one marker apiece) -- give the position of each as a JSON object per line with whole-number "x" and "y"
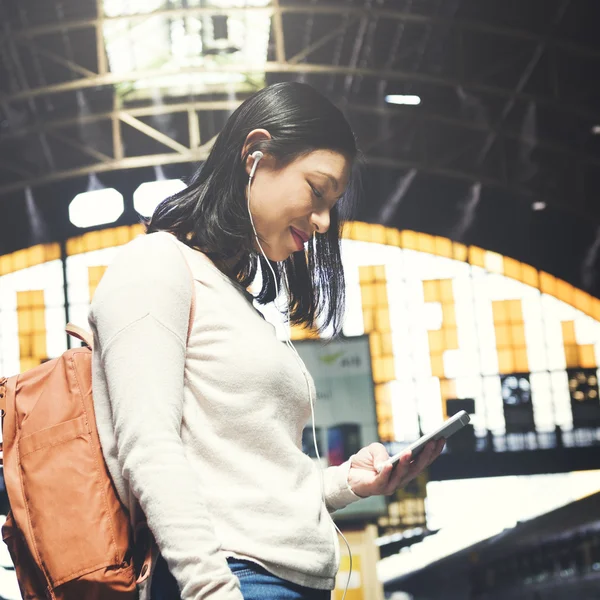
{"x": 320, "y": 221}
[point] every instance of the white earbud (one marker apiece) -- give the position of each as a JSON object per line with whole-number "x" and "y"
{"x": 256, "y": 156}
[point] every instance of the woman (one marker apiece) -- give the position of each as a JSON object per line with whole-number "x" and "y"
{"x": 206, "y": 432}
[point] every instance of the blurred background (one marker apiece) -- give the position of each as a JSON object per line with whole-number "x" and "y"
{"x": 473, "y": 262}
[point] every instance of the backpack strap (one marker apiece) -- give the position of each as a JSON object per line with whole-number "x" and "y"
{"x": 81, "y": 334}
{"x": 3, "y": 381}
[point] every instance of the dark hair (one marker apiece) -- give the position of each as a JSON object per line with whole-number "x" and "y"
{"x": 211, "y": 213}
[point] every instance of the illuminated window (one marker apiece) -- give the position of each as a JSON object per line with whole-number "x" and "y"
{"x": 494, "y": 262}
{"x": 31, "y": 308}
{"x": 585, "y": 403}
{"x": 444, "y": 320}
{"x": 543, "y": 409}
{"x": 517, "y": 403}
{"x": 477, "y": 256}
{"x": 577, "y": 355}
{"x": 29, "y": 257}
{"x": 38, "y": 322}
{"x": 510, "y": 336}
{"x": 95, "y": 274}
{"x": 376, "y": 316}
{"x": 494, "y": 413}
{"x": 535, "y": 332}
{"x": 106, "y": 238}
{"x": 84, "y": 272}
{"x": 445, "y": 338}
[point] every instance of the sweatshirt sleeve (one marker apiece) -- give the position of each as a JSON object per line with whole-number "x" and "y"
{"x": 140, "y": 318}
{"x": 338, "y": 493}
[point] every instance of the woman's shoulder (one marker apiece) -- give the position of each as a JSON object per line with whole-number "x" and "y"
{"x": 156, "y": 242}
{"x": 161, "y": 245}
{"x": 155, "y": 251}
{"x": 158, "y": 260}
{"x": 148, "y": 276}
{"x": 150, "y": 260}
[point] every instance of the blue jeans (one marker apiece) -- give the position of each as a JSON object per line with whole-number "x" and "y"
{"x": 256, "y": 584}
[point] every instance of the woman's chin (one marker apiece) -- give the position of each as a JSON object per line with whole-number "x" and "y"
{"x": 277, "y": 256}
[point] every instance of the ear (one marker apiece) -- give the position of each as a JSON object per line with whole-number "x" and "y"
{"x": 254, "y": 137}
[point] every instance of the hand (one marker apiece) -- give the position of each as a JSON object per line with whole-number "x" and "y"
{"x": 365, "y": 481}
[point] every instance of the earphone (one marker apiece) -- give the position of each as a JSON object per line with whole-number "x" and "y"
{"x": 257, "y": 156}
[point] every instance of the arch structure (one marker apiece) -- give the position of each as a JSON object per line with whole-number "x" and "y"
{"x": 446, "y": 322}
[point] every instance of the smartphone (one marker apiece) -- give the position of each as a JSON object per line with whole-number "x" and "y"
{"x": 445, "y": 430}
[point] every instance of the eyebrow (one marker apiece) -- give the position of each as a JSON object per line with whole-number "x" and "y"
{"x": 331, "y": 178}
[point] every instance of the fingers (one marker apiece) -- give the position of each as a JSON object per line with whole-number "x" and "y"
{"x": 400, "y": 472}
{"x": 380, "y": 455}
{"x": 423, "y": 460}
{"x": 405, "y": 470}
{"x": 439, "y": 448}
{"x": 427, "y": 456}
{"x": 385, "y": 474}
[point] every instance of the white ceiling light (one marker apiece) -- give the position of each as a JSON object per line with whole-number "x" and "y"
{"x": 97, "y": 207}
{"x": 538, "y": 205}
{"x": 403, "y": 99}
{"x": 150, "y": 194}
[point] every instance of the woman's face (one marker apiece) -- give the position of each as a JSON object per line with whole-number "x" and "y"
{"x": 289, "y": 204}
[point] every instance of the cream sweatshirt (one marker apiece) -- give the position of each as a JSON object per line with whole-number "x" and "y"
{"x": 208, "y": 437}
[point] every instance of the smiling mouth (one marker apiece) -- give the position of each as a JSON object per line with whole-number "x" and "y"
{"x": 299, "y": 237}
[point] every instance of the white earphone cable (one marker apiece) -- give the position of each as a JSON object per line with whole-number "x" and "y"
{"x": 257, "y": 156}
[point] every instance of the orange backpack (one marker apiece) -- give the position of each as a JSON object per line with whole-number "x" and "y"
{"x": 67, "y": 532}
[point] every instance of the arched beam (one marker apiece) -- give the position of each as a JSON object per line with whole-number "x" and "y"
{"x": 307, "y": 68}
{"x": 200, "y": 154}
